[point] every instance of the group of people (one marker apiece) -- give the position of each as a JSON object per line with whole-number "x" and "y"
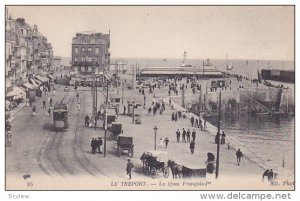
{"x": 158, "y": 106}
{"x": 96, "y": 144}
{"x": 195, "y": 122}
{"x": 186, "y": 137}
{"x": 164, "y": 143}
{"x": 88, "y": 122}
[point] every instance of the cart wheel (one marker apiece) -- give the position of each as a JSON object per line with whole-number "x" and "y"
{"x": 166, "y": 172}
{"x": 153, "y": 172}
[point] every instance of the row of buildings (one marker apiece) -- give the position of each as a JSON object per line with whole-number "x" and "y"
{"x": 28, "y": 57}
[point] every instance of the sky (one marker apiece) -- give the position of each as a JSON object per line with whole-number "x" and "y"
{"x": 241, "y": 32}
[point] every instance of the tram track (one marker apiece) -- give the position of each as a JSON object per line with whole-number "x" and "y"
{"x": 49, "y": 150}
{"x": 49, "y": 157}
{"x": 78, "y": 150}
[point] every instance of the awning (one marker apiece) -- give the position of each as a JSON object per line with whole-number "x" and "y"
{"x": 43, "y": 79}
{"x": 28, "y": 85}
{"x": 51, "y": 77}
{"x": 37, "y": 82}
{"x": 16, "y": 92}
{"x": 34, "y": 83}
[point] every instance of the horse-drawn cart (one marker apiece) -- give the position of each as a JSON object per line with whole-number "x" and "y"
{"x": 154, "y": 163}
{"x": 125, "y": 143}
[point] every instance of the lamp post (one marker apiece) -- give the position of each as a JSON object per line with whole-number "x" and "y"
{"x": 218, "y": 138}
{"x": 105, "y": 133}
{"x": 122, "y": 93}
{"x": 155, "y": 133}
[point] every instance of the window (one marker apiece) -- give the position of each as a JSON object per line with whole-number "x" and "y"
{"x": 97, "y": 50}
{"x": 82, "y": 49}
{"x": 75, "y": 59}
{"x": 90, "y": 49}
{"x": 76, "y": 50}
{"x": 82, "y": 58}
{"x": 82, "y": 68}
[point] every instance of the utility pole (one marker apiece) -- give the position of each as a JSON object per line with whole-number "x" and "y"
{"x": 218, "y": 141}
{"x": 200, "y": 101}
{"x": 105, "y": 134}
{"x": 183, "y": 97}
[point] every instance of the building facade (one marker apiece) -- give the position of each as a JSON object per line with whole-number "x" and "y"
{"x": 90, "y": 54}
{"x": 27, "y": 52}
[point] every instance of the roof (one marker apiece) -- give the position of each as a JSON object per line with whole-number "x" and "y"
{"x": 17, "y": 91}
{"x": 41, "y": 78}
{"x": 180, "y": 73}
{"x": 36, "y": 83}
{"x": 28, "y": 85}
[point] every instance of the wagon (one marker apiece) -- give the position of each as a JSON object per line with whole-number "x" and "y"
{"x": 125, "y": 143}
{"x": 155, "y": 162}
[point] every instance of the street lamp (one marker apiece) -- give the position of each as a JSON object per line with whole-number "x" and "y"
{"x": 218, "y": 138}
{"x": 155, "y": 133}
{"x": 106, "y": 107}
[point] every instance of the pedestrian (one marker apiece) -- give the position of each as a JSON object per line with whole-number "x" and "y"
{"x": 161, "y": 143}
{"x": 188, "y": 135}
{"x": 93, "y": 145}
{"x": 44, "y": 104}
{"x": 192, "y": 121}
{"x": 99, "y": 145}
{"x": 124, "y": 112}
{"x": 204, "y": 124}
{"x": 183, "y": 135}
{"x": 86, "y": 120}
{"x": 239, "y": 155}
{"x": 179, "y": 114}
{"x": 192, "y": 147}
{"x": 194, "y": 135}
{"x": 50, "y": 101}
{"x": 166, "y": 142}
{"x": 178, "y": 135}
{"x": 169, "y": 93}
{"x": 149, "y": 110}
{"x": 129, "y": 167}
{"x": 33, "y": 110}
{"x": 78, "y": 106}
{"x": 173, "y": 116}
{"x": 49, "y": 112}
{"x": 196, "y": 123}
{"x": 223, "y": 138}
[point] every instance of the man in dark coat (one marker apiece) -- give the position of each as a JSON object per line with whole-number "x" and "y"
{"x": 239, "y": 155}
{"x": 93, "y": 145}
{"x": 192, "y": 147}
{"x": 166, "y": 142}
{"x": 194, "y": 135}
{"x": 178, "y": 135}
{"x": 44, "y": 104}
{"x": 192, "y": 120}
{"x": 188, "y": 135}
{"x": 129, "y": 167}
{"x": 183, "y": 135}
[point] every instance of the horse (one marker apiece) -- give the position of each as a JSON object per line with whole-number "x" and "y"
{"x": 175, "y": 169}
